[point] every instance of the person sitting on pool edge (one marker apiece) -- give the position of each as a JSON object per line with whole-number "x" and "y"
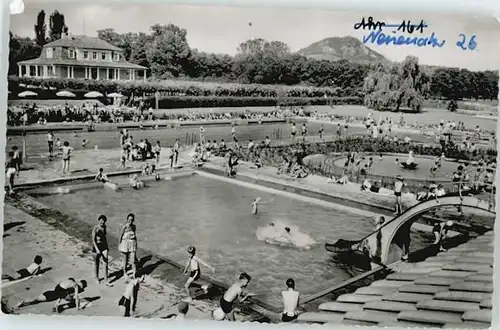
{"x": 101, "y": 177}
{"x": 290, "y": 302}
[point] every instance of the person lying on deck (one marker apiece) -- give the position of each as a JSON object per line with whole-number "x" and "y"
{"x": 31, "y": 270}
{"x": 344, "y": 179}
{"x": 368, "y": 186}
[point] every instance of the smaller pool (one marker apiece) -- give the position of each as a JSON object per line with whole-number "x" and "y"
{"x": 391, "y": 166}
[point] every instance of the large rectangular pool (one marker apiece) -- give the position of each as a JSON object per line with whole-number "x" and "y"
{"x": 215, "y": 216}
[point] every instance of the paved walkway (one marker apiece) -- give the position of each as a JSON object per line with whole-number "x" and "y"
{"x": 66, "y": 256}
{"x": 451, "y": 290}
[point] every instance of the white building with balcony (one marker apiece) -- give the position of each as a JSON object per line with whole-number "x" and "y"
{"x": 81, "y": 57}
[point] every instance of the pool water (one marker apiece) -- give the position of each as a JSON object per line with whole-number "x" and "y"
{"x": 216, "y": 217}
{"x": 388, "y": 166}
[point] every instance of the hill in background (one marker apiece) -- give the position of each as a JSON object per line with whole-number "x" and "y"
{"x": 342, "y": 48}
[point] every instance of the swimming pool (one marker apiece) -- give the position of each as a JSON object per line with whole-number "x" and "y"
{"x": 390, "y": 166}
{"x": 215, "y": 216}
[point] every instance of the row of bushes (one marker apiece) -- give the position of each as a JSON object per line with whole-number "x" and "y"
{"x": 169, "y": 88}
{"x": 177, "y": 102}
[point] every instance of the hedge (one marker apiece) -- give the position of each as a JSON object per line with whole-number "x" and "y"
{"x": 177, "y": 102}
{"x": 173, "y": 88}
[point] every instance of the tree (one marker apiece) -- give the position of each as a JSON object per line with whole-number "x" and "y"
{"x": 57, "y": 26}
{"x": 21, "y": 49}
{"x": 395, "y": 86}
{"x": 40, "y": 29}
{"x": 168, "y": 53}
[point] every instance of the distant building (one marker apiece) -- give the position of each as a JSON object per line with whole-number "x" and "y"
{"x": 81, "y": 57}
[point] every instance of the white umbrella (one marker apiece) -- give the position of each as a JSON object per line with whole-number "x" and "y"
{"x": 27, "y": 93}
{"x": 115, "y": 95}
{"x": 65, "y": 94}
{"x": 93, "y": 95}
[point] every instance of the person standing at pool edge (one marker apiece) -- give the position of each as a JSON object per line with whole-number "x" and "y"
{"x": 398, "y": 187}
{"x": 193, "y": 265}
{"x": 66, "y": 155}
{"x": 100, "y": 248}
{"x": 128, "y": 244}
{"x": 10, "y": 171}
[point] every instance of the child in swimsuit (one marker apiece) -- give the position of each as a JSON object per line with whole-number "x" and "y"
{"x": 31, "y": 270}
{"x": 255, "y": 205}
{"x": 128, "y": 301}
{"x": 193, "y": 265}
{"x": 101, "y": 177}
{"x": 10, "y": 171}
{"x": 66, "y": 155}
{"x": 233, "y": 294}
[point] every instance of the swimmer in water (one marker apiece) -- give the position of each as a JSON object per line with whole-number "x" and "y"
{"x": 84, "y": 143}
{"x": 255, "y": 204}
{"x": 135, "y": 182}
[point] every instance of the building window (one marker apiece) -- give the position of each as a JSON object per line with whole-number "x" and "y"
{"x": 103, "y": 56}
{"x": 111, "y": 74}
{"x": 117, "y": 56}
{"x": 94, "y": 55}
{"x": 85, "y": 54}
{"x": 71, "y": 53}
{"x": 49, "y": 52}
{"x": 50, "y": 71}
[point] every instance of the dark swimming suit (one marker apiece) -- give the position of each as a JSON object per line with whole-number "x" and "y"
{"x": 195, "y": 274}
{"x": 226, "y": 306}
{"x": 125, "y": 302}
{"x": 58, "y": 293}
{"x": 287, "y": 318}
{"x": 397, "y": 193}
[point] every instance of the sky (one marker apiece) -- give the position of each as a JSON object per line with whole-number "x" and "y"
{"x": 220, "y": 29}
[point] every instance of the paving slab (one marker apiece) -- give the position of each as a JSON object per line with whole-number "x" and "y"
{"x": 463, "y": 296}
{"x": 403, "y": 276}
{"x": 389, "y": 284}
{"x": 466, "y": 325}
{"x": 487, "y": 303}
{"x": 407, "y": 297}
{"x": 483, "y": 316}
{"x": 357, "y": 298}
{"x": 375, "y": 291}
{"x": 420, "y": 270}
{"x": 429, "y": 317}
{"x": 486, "y": 271}
{"x": 404, "y": 324}
{"x": 390, "y": 306}
{"x": 316, "y": 317}
{"x": 450, "y": 274}
{"x": 432, "y": 280}
{"x": 464, "y": 267}
{"x": 339, "y": 307}
{"x": 475, "y": 260}
{"x": 425, "y": 289}
{"x": 371, "y": 316}
{"x": 479, "y": 278}
{"x": 472, "y": 287}
{"x": 448, "y": 306}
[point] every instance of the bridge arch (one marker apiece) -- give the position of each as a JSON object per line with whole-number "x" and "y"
{"x": 379, "y": 242}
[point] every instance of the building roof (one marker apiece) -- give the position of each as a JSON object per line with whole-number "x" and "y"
{"x": 89, "y": 63}
{"x": 82, "y": 42}
{"x": 452, "y": 290}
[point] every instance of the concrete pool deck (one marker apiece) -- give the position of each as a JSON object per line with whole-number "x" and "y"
{"x": 68, "y": 256}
